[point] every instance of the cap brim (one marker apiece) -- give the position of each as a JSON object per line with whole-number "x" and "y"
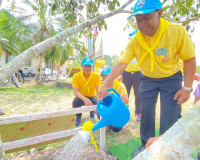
{"x": 141, "y": 12}
{"x": 130, "y": 16}
{"x": 87, "y": 64}
{"x": 146, "y": 11}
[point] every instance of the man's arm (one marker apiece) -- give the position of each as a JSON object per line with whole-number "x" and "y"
{"x": 97, "y": 91}
{"x": 115, "y": 72}
{"x": 83, "y": 98}
{"x": 189, "y": 73}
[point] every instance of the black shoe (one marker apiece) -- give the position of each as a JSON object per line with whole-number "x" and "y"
{"x": 197, "y": 156}
{"x": 1, "y": 112}
{"x": 92, "y": 115}
{"x": 78, "y": 121}
{"x": 137, "y": 151}
{"x": 138, "y": 117}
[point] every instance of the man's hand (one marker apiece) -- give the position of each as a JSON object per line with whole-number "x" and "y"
{"x": 115, "y": 72}
{"x": 182, "y": 96}
{"x": 87, "y": 102}
{"x": 151, "y": 141}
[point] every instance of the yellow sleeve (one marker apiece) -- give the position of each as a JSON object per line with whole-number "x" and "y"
{"x": 75, "y": 80}
{"x": 128, "y": 53}
{"x": 186, "y": 49}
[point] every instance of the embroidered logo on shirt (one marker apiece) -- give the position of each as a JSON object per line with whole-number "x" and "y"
{"x": 161, "y": 51}
{"x": 165, "y": 59}
{"x": 140, "y": 4}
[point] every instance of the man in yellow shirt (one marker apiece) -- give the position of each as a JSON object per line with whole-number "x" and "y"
{"x": 84, "y": 85}
{"x": 158, "y": 48}
{"x": 120, "y": 88}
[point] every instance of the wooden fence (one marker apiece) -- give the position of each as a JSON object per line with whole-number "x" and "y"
{"x": 33, "y": 130}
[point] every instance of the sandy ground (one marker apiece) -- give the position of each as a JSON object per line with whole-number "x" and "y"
{"x": 51, "y": 154}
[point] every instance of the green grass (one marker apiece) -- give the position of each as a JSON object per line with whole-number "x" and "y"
{"x": 32, "y": 99}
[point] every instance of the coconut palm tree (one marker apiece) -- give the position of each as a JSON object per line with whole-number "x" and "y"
{"x": 10, "y": 27}
{"x": 46, "y": 25}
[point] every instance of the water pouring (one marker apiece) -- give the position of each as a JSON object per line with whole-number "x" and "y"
{"x": 113, "y": 112}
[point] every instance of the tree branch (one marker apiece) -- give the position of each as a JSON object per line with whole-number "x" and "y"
{"x": 41, "y": 48}
{"x": 126, "y": 11}
{"x": 189, "y": 20}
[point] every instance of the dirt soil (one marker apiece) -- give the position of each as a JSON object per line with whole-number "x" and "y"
{"x": 51, "y": 154}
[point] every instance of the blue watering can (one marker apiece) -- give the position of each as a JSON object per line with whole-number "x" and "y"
{"x": 113, "y": 111}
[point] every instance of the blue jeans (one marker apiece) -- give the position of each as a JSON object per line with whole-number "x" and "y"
{"x": 169, "y": 109}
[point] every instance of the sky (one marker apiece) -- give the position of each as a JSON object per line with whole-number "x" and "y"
{"x": 115, "y": 39}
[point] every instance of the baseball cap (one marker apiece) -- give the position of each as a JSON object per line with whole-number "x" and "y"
{"x": 145, "y": 7}
{"x": 87, "y": 61}
{"x": 132, "y": 33}
{"x": 105, "y": 71}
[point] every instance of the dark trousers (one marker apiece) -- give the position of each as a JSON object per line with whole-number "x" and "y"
{"x": 169, "y": 109}
{"x": 77, "y": 102}
{"x": 133, "y": 80}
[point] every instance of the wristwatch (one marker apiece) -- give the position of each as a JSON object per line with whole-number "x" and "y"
{"x": 188, "y": 89}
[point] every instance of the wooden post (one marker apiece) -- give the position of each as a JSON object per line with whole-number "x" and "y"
{"x": 2, "y": 153}
{"x": 102, "y": 137}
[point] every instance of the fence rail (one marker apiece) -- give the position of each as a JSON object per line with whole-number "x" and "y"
{"x": 20, "y": 132}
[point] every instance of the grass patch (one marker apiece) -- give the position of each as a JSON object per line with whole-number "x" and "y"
{"x": 32, "y": 99}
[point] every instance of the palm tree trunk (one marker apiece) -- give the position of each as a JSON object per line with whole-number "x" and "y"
{"x": 179, "y": 142}
{"x": 40, "y": 69}
{"x": 47, "y": 44}
{"x": 58, "y": 72}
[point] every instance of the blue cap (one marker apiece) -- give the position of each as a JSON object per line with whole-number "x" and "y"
{"x": 145, "y": 7}
{"x": 87, "y": 61}
{"x": 132, "y": 33}
{"x": 105, "y": 71}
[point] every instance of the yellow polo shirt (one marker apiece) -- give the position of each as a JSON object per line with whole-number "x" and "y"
{"x": 87, "y": 91}
{"x": 177, "y": 45}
